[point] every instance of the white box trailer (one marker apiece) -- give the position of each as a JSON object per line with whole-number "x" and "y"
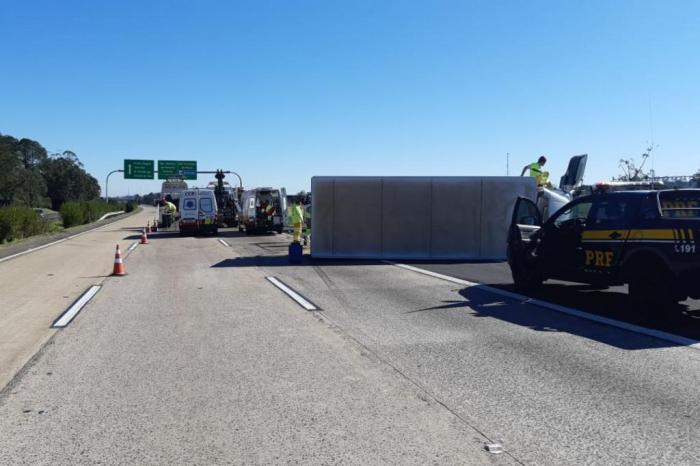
{"x": 463, "y": 217}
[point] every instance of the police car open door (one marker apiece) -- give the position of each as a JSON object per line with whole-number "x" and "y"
{"x": 526, "y": 218}
{"x": 525, "y": 222}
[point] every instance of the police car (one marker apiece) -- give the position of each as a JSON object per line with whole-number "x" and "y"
{"x": 647, "y": 239}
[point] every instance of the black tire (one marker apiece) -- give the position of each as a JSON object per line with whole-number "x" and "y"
{"x": 650, "y": 290}
{"x": 525, "y": 279}
{"x": 279, "y": 230}
{"x": 215, "y": 232}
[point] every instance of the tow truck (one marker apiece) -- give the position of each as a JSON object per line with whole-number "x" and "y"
{"x": 646, "y": 239}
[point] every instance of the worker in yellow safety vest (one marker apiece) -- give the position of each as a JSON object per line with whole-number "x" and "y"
{"x": 169, "y": 211}
{"x": 296, "y": 219}
{"x": 537, "y": 171}
{"x": 170, "y": 208}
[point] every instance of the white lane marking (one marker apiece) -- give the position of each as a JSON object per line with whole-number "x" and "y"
{"x": 72, "y": 311}
{"x": 303, "y": 302}
{"x": 224, "y": 243}
{"x": 133, "y": 246}
{"x": 688, "y": 342}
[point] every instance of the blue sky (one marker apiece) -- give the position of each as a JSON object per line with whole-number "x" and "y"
{"x": 280, "y": 91}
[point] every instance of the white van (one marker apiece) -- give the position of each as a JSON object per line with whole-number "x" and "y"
{"x": 262, "y": 210}
{"x": 198, "y": 213}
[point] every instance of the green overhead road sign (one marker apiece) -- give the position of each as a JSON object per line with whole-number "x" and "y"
{"x": 138, "y": 169}
{"x": 185, "y": 169}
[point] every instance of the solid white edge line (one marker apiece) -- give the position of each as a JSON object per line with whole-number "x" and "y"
{"x": 292, "y": 294}
{"x": 224, "y": 243}
{"x": 72, "y": 311}
{"x": 688, "y": 342}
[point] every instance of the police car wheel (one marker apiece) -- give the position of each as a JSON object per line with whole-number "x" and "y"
{"x": 524, "y": 279}
{"x": 649, "y": 292}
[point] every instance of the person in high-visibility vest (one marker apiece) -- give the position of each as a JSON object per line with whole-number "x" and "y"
{"x": 296, "y": 219}
{"x": 170, "y": 208}
{"x": 537, "y": 171}
{"x": 169, "y": 211}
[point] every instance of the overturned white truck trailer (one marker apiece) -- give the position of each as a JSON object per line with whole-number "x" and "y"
{"x": 462, "y": 217}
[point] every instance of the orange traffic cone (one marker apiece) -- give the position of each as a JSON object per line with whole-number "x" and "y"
{"x": 119, "y": 269}
{"x": 144, "y": 238}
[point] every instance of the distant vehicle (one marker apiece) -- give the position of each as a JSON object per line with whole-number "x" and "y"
{"x": 262, "y": 210}
{"x": 646, "y": 239}
{"x": 172, "y": 190}
{"x": 198, "y": 212}
{"x": 226, "y": 199}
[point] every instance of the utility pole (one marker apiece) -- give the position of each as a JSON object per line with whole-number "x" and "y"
{"x": 507, "y": 163}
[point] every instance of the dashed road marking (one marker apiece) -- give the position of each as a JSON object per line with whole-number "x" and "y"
{"x": 66, "y": 318}
{"x": 688, "y": 342}
{"x": 133, "y": 246}
{"x": 303, "y": 302}
{"x": 224, "y": 243}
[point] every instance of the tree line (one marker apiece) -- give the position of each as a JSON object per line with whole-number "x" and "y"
{"x": 31, "y": 177}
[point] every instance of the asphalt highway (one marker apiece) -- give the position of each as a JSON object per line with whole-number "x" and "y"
{"x": 195, "y": 357}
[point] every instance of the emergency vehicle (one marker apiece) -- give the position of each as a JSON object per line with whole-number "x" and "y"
{"x": 198, "y": 212}
{"x": 646, "y": 239}
{"x": 263, "y": 210}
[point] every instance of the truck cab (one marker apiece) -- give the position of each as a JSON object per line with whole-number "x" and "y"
{"x": 642, "y": 238}
{"x": 198, "y": 212}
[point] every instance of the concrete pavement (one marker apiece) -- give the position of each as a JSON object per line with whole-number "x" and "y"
{"x": 183, "y": 362}
{"x": 36, "y": 287}
{"x": 557, "y": 389}
{"x": 196, "y": 358}
{"x": 682, "y": 319}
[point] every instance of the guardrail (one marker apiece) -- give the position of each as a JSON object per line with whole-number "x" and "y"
{"x": 110, "y": 214}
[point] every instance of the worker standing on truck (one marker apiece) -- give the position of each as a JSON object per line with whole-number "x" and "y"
{"x": 296, "y": 219}
{"x": 537, "y": 171}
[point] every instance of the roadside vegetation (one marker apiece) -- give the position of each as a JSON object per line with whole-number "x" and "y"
{"x": 81, "y": 212}
{"x": 31, "y": 179}
{"x": 21, "y": 222}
